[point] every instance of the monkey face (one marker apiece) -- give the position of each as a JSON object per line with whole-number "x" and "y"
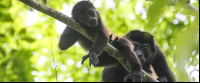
{"x": 143, "y": 51}
{"x": 89, "y": 18}
{"x": 85, "y": 13}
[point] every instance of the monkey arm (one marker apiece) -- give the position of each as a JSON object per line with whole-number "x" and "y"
{"x": 105, "y": 60}
{"x": 147, "y": 65}
{"x": 161, "y": 67}
{"x": 97, "y": 47}
{"x": 68, "y": 38}
{"x": 100, "y": 43}
{"x": 126, "y": 49}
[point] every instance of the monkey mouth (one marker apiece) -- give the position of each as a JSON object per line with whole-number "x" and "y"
{"x": 93, "y": 23}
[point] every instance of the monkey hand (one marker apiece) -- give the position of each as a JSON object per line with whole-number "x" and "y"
{"x": 114, "y": 42}
{"x": 92, "y": 59}
{"x": 135, "y": 76}
{"x": 110, "y": 39}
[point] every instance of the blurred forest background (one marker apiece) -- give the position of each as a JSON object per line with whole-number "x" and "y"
{"x": 28, "y": 38}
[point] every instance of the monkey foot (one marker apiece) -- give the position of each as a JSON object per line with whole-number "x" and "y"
{"x": 92, "y": 59}
{"x": 114, "y": 42}
{"x": 136, "y": 77}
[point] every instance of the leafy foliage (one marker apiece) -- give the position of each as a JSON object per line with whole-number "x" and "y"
{"x": 26, "y": 36}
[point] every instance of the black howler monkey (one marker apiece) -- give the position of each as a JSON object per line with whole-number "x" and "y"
{"x": 85, "y": 13}
{"x": 148, "y": 53}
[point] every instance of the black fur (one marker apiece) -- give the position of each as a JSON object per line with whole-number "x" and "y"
{"x": 85, "y": 13}
{"x": 161, "y": 67}
{"x": 152, "y": 56}
{"x": 157, "y": 58}
{"x": 116, "y": 72}
{"x": 137, "y": 36}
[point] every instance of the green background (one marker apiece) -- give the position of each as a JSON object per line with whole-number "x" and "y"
{"x": 28, "y": 38}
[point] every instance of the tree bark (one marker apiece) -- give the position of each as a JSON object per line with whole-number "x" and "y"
{"x": 76, "y": 26}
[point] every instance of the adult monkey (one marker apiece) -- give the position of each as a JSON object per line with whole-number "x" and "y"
{"x": 85, "y": 13}
{"x": 148, "y": 53}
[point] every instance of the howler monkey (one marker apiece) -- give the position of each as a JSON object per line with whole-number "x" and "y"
{"x": 85, "y": 13}
{"x": 148, "y": 53}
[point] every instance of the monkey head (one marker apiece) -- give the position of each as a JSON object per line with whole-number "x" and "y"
{"x": 143, "y": 43}
{"x": 85, "y": 13}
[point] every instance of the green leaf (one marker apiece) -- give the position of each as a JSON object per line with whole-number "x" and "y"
{"x": 23, "y": 31}
{"x": 155, "y": 11}
{"x": 5, "y": 4}
{"x": 5, "y": 17}
{"x": 28, "y": 39}
{"x": 3, "y": 51}
{"x": 13, "y": 51}
{"x": 12, "y": 31}
{"x": 2, "y": 35}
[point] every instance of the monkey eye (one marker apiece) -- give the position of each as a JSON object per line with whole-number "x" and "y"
{"x": 146, "y": 48}
{"x": 135, "y": 45}
{"x": 91, "y": 12}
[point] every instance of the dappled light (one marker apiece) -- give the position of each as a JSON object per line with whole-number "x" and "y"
{"x": 29, "y": 39}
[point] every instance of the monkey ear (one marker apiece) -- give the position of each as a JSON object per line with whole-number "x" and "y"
{"x": 98, "y": 12}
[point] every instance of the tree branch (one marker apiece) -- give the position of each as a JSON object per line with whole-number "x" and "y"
{"x": 186, "y": 4}
{"x": 70, "y": 22}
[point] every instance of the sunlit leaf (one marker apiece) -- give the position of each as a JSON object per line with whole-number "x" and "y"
{"x": 12, "y": 31}
{"x": 28, "y": 39}
{"x": 5, "y": 17}
{"x": 155, "y": 11}
{"x": 23, "y": 31}
{"x": 2, "y": 35}
{"x": 26, "y": 52}
{"x": 3, "y": 51}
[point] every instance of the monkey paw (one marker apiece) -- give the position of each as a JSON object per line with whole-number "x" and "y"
{"x": 136, "y": 77}
{"x": 114, "y": 42}
{"x": 110, "y": 38}
{"x": 92, "y": 59}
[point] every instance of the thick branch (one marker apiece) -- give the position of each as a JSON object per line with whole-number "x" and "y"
{"x": 70, "y": 22}
{"x": 191, "y": 6}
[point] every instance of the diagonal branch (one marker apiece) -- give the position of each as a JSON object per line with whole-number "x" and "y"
{"x": 70, "y": 22}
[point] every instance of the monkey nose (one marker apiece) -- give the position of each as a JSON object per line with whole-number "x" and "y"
{"x": 93, "y": 19}
{"x": 139, "y": 53}
{"x": 92, "y": 22}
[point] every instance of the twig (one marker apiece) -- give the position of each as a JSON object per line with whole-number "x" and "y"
{"x": 187, "y": 5}
{"x": 54, "y": 63}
